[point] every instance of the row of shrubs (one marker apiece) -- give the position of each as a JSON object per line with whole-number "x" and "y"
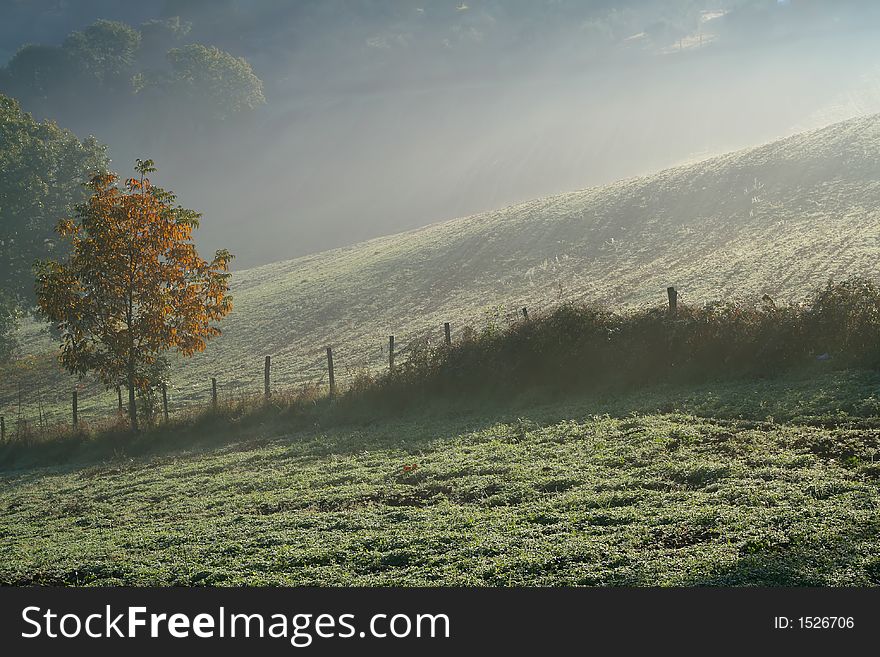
{"x": 585, "y": 346}
{"x": 573, "y": 347}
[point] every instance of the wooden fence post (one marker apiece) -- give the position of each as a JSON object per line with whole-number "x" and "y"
{"x": 266, "y": 376}
{"x": 673, "y": 299}
{"x": 214, "y": 392}
{"x": 447, "y": 332}
{"x": 525, "y": 312}
{"x": 75, "y": 415}
{"x": 330, "y": 371}
{"x": 165, "y": 400}
{"x": 391, "y": 353}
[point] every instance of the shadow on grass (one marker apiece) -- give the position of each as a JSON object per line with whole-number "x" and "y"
{"x": 817, "y": 397}
{"x": 815, "y": 564}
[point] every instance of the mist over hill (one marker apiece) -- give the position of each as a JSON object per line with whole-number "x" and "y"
{"x": 386, "y": 116}
{"x": 778, "y": 219}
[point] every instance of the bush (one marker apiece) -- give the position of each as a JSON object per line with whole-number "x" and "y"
{"x": 586, "y": 346}
{"x": 843, "y": 319}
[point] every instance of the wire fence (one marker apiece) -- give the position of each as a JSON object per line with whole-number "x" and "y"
{"x": 27, "y": 413}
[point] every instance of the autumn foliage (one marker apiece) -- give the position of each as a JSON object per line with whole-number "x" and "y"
{"x": 133, "y": 285}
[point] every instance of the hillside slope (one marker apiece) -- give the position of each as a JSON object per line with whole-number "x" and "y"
{"x": 779, "y": 219}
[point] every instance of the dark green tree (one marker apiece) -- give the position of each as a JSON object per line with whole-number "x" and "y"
{"x": 144, "y": 73}
{"x": 40, "y": 75}
{"x": 42, "y": 168}
{"x": 9, "y": 314}
{"x": 212, "y": 83}
{"x": 106, "y": 53}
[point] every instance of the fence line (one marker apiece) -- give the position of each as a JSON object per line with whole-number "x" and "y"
{"x": 336, "y": 361}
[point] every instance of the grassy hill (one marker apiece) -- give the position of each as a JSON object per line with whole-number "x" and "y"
{"x": 779, "y": 219}
{"x": 771, "y": 482}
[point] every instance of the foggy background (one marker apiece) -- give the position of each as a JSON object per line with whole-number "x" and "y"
{"x": 387, "y": 115}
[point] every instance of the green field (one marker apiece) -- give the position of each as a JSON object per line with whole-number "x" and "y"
{"x": 760, "y": 481}
{"x": 747, "y": 482}
{"x": 779, "y": 219}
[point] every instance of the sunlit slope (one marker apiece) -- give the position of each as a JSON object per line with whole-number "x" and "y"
{"x": 779, "y": 219}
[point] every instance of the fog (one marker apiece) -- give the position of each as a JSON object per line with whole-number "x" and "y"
{"x": 372, "y": 128}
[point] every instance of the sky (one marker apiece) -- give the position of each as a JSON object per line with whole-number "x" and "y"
{"x": 376, "y": 123}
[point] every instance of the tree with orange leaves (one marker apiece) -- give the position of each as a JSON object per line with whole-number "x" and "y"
{"x": 133, "y": 285}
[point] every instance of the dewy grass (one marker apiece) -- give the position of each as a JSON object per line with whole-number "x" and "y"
{"x": 674, "y": 485}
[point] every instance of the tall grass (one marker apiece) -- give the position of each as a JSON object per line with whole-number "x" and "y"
{"x": 587, "y": 346}
{"x": 574, "y": 347}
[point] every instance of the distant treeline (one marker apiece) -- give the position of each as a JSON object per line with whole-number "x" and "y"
{"x": 156, "y": 68}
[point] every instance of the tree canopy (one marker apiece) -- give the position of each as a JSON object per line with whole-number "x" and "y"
{"x": 111, "y": 62}
{"x": 106, "y": 52}
{"x": 213, "y": 81}
{"x": 133, "y": 285}
{"x": 8, "y": 324}
{"x": 42, "y": 167}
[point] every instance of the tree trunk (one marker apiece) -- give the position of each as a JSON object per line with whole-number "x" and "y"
{"x": 132, "y": 406}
